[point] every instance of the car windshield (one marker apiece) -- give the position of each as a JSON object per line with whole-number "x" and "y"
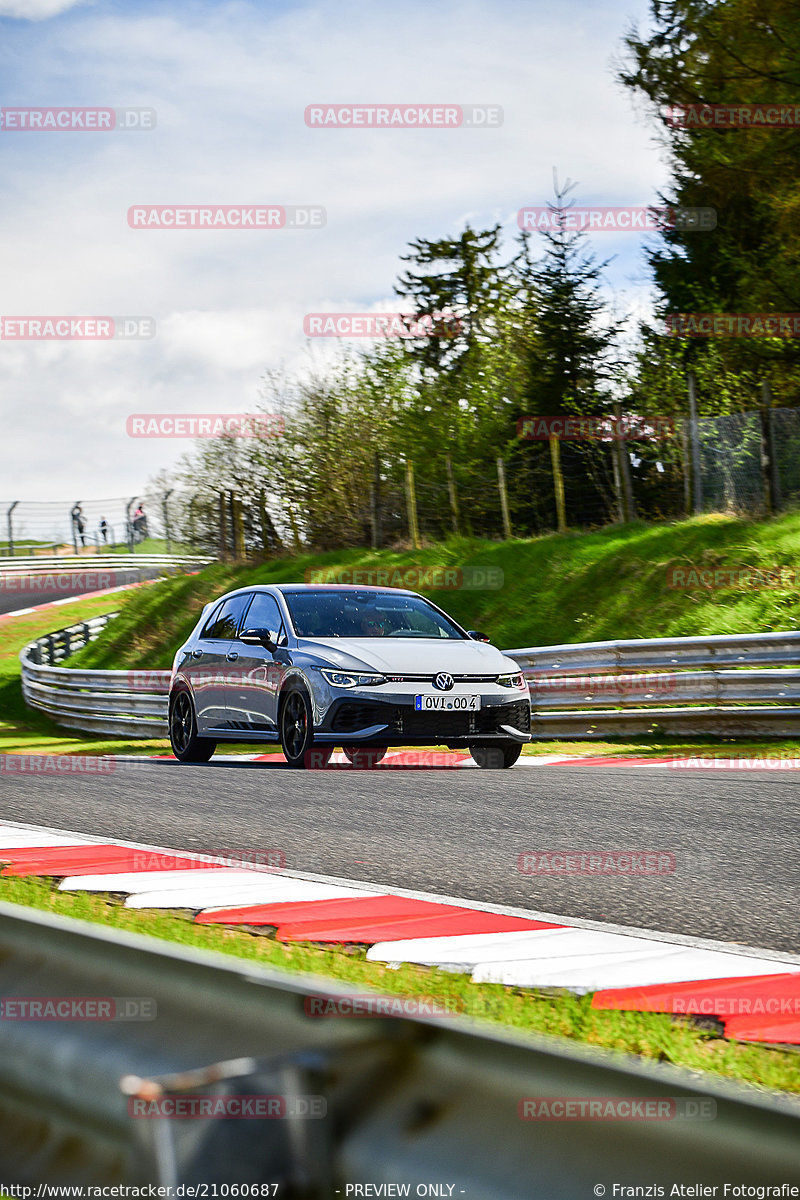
{"x": 340, "y": 614}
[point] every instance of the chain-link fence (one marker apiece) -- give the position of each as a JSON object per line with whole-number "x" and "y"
{"x": 746, "y": 463}
{"x": 151, "y": 521}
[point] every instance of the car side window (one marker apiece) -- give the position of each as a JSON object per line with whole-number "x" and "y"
{"x": 224, "y": 624}
{"x": 209, "y": 625}
{"x": 264, "y": 613}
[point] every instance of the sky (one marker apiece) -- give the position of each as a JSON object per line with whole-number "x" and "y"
{"x": 229, "y": 84}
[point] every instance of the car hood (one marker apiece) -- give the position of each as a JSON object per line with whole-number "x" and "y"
{"x": 412, "y": 656}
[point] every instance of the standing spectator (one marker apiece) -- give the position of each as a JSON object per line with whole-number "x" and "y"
{"x": 78, "y": 524}
{"x": 104, "y": 530}
{"x": 140, "y": 524}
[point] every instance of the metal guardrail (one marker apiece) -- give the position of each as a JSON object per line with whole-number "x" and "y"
{"x": 640, "y": 654}
{"x": 403, "y": 1100}
{"x": 25, "y": 560}
{"x": 582, "y": 690}
{"x": 49, "y": 563}
{"x": 123, "y": 703}
{"x": 647, "y": 685}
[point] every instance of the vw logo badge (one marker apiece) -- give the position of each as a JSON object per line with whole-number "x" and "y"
{"x": 443, "y": 681}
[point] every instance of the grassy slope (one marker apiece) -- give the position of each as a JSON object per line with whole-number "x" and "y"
{"x": 608, "y": 584}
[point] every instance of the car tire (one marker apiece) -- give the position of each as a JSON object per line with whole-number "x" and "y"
{"x": 364, "y": 758}
{"x": 498, "y": 756}
{"x": 296, "y": 728}
{"x": 187, "y": 746}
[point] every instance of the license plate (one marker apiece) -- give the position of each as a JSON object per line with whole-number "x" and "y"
{"x": 430, "y": 703}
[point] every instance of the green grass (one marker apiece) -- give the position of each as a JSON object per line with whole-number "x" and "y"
{"x": 650, "y": 1035}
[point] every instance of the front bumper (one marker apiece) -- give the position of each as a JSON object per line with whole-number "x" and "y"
{"x": 362, "y": 720}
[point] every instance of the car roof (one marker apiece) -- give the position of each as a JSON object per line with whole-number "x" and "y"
{"x": 316, "y": 587}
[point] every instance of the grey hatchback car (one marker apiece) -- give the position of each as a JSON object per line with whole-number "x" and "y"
{"x": 316, "y": 666}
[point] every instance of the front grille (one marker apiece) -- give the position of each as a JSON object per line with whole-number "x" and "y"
{"x": 404, "y": 721}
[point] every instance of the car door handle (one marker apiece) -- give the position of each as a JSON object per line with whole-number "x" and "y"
{"x": 197, "y": 654}
{"x": 234, "y": 654}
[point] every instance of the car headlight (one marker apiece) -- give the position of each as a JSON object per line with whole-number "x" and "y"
{"x": 511, "y": 681}
{"x": 346, "y": 679}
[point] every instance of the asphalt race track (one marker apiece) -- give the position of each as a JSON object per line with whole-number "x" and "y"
{"x": 461, "y": 832}
{"x": 69, "y": 581}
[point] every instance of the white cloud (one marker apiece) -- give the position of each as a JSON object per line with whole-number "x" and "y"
{"x": 230, "y": 87}
{"x": 37, "y": 10}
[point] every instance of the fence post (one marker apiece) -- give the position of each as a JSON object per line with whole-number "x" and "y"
{"x": 262, "y": 520}
{"x": 769, "y": 460}
{"x": 411, "y": 502}
{"x": 694, "y": 446}
{"x": 238, "y": 526}
{"x": 501, "y": 483}
{"x": 11, "y": 528}
{"x": 295, "y": 531}
{"x": 191, "y": 529}
{"x": 558, "y": 482}
{"x": 628, "y": 505}
{"x": 375, "y": 503}
{"x": 165, "y": 511}
{"x": 223, "y": 527}
{"x": 620, "y": 503}
{"x": 453, "y": 494}
{"x": 129, "y": 525}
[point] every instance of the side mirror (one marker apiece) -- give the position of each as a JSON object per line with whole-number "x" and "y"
{"x": 478, "y": 637}
{"x": 258, "y": 637}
